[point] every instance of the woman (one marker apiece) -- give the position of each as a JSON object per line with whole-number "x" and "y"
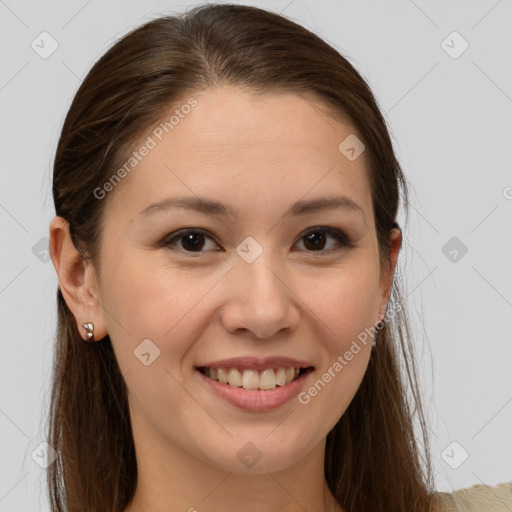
{"x": 226, "y": 241}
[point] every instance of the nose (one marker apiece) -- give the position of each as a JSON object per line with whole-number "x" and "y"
{"x": 259, "y": 299}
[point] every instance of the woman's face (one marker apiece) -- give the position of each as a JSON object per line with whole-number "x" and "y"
{"x": 249, "y": 283}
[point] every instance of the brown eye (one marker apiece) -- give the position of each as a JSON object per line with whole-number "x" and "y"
{"x": 191, "y": 240}
{"x": 315, "y": 240}
{"x": 195, "y": 240}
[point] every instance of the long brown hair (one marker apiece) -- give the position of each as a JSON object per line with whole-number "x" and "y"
{"x": 373, "y": 462}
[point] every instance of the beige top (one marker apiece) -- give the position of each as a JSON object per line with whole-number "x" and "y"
{"x": 478, "y": 498}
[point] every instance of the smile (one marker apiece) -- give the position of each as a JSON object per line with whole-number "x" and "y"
{"x": 267, "y": 379}
{"x": 270, "y": 396}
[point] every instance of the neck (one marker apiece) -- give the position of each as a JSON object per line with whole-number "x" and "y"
{"x": 170, "y": 480}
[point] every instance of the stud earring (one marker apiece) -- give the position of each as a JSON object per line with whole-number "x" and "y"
{"x": 89, "y": 327}
{"x": 374, "y": 341}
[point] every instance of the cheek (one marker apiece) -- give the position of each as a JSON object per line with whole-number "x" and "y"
{"x": 147, "y": 299}
{"x": 345, "y": 300}
{"x": 158, "y": 302}
{"x": 345, "y": 303}
{"x": 140, "y": 303}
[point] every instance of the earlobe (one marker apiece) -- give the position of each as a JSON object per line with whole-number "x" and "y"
{"x": 76, "y": 279}
{"x": 396, "y": 244}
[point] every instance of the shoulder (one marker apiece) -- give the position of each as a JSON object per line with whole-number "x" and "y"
{"x": 478, "y": 498}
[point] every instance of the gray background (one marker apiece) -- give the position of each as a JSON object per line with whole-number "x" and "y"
{"x": 450, "y": 118}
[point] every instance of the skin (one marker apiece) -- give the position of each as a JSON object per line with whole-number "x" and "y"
{"x": 197, "y": 307}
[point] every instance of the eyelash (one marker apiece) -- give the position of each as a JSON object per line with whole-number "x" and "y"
{"x": 339, "y": 236}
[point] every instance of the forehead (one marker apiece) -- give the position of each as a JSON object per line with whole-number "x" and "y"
{"x": 274, "y": 145}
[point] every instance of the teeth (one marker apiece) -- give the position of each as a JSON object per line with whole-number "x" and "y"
{"x": 281, "y": 376}
{"x": 234, "y": 378}
{"x": 267, "y": 379}
{"x": 222, "y": 375}
{"x": 252, "y": 379}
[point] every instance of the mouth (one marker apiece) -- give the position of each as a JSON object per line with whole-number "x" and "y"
{"x": 252, "y": 379}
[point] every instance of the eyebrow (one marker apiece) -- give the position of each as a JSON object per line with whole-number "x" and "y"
{"x": 210, "y": 207}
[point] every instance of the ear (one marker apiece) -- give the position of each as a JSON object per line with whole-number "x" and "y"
{"x": 77, "y": 280}
{"x": 386, "y": 281}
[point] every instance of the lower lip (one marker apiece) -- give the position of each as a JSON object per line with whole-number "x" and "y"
{"x": 253, "y": 399}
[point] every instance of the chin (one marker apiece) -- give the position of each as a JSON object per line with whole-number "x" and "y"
{"x": 258, "y": 455}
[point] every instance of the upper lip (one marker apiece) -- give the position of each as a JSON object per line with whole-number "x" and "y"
{"x": 257, "y": 363}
